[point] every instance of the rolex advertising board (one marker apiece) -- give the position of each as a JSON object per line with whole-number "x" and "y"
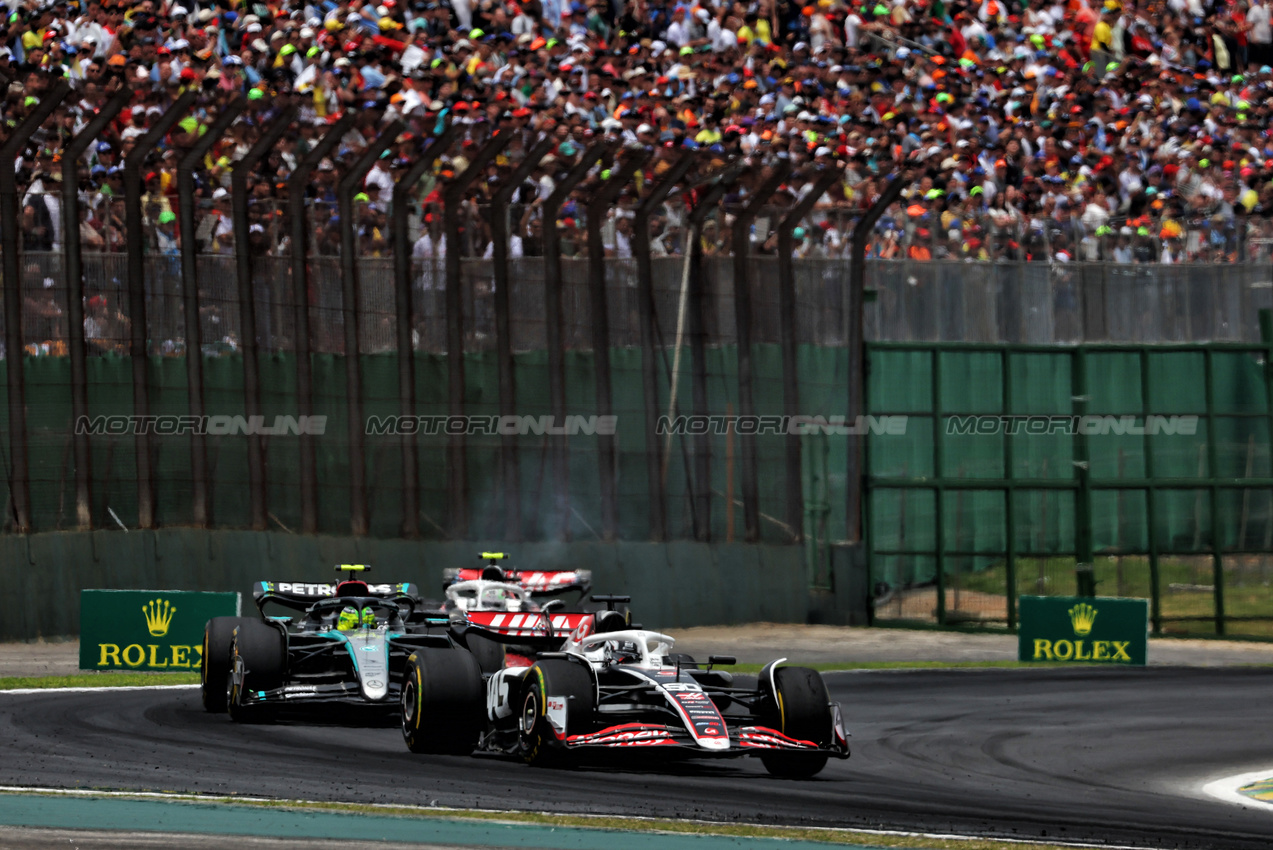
{"x": 1095, "y": 630}
{"x": 150, "y": 630}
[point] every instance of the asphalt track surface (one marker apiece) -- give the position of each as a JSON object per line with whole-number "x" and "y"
{"x": 1084, "y": 754}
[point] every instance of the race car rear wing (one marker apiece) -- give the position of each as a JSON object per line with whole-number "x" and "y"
{"x": 300, "y": 595}
{"x": 535, "y": 582}
{"x": 532, "y": 628}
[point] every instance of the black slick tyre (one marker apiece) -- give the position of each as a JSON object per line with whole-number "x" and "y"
{"x": 798, "y": 707}
{"x": 214, "y": 666}
{"x": 556, "y": 678}
{"x": 443, "y": 702}
{"x": 258, "y": 658}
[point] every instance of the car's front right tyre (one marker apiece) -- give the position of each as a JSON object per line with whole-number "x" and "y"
{"x": 214, "y": 665}
{"x": 443, "y": 702}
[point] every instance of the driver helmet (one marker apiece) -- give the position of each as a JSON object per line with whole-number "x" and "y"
{"x": 348, "y": 619}
{"x": 369, "y": 617}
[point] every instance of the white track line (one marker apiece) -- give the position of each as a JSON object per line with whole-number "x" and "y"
{"x": 1226, "y": 789}
{"x": 460, "y": 813}
{"x": 26, "y": 691}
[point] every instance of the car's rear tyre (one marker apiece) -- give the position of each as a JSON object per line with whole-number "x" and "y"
{"x": 488, "y": 653}
{"x": 554, "y": 677}
{"x": 798, "y": 709}
{"x": 214, "y": 666}
{"x": 258, "y": 652}
{"x": 443, "y": 703}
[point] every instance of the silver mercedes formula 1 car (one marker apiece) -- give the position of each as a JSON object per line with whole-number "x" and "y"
{"x": 336, "y": 645}
{"x": 576, "y": 683}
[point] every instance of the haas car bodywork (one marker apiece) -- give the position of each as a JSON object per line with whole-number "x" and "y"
{"x": 346, "y": 644}
{"x": 540, "y": 584}
{"x": 572, "y": 683}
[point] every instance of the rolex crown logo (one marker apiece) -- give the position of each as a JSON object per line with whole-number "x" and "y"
{"x": 1083, "y": 616}
{"x": 158, "y": 616}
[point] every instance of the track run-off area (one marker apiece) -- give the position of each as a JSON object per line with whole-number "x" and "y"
{"x": 1066, "y": 755}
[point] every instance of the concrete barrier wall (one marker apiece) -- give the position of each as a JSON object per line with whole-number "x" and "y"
{"x": 672, "y": 585}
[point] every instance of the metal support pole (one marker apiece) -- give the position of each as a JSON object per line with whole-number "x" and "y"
{"x": 649, "y": 331}
{"x": 20, "y": 482}
{"x": 510, "y": 470}
{"x": 345, "y": 190}
{"x": 456, "y": 450}
{"x": 600, "y": 313}
{"x": 787, "y": 341}
{"x": 135, "y": 241}
{"x": 191, "y": 303}
{"x": 554, "y": 326}
{"x": 247, "y": 305}
{"x": 71, "y": 159}
{"x": 855, "y": 339}
{"x": 698, "y": 348}
{"x": 297, "y": 186}
{"x": 404, "y": 302}
{"x": 741, "y": 241}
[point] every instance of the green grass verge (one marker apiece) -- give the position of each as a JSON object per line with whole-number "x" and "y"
{"x": 98, "y": 680}
{"x": 832, "y": 666}
{"x": 831, "y": 837}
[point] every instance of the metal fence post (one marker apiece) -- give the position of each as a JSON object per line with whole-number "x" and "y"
{"x": 457, "y": 457}
{"x": 599, "y": 308}
{"x": 741, "y": 242}
{"x": 649, "y": 331}
{"x": 554, "y": 327}
{"x": 787, "y": 338}
{"x": 358, "y": 520}
{"x": 296, "y": 187}
{"x": 697, "y": 327}
{"x": 75, "y": 298}
{"x": 404, "y": 302}
{"x": 247, "y": 304}
{"x": 136, "y": 245}
{"x": 191, "y": 302}
{"x": 855, "y": 339}
{"x": 510, "y": 469}
{"x": 20, "y": 482}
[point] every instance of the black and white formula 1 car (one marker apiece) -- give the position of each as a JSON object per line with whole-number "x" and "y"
{"x": 542, "y": 585}
{"x": 576, "y": 683}
{"x": 343, "y": 644}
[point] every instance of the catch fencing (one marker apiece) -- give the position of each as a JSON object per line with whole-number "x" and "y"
{"x": 347, "y": 314}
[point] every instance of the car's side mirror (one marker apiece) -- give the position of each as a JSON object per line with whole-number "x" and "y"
{"x": 721, "y": 659}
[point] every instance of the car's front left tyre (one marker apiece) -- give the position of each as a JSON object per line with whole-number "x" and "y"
{"x": 798, "y": 706}
{"x": 550, "y": 680}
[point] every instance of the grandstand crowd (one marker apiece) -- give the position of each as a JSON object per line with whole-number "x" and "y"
{"x": 1044, "y": 130}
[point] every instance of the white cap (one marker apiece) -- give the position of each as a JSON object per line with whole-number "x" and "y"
{"x": 253, "y": 28}
{"x": 220, "y": 193}
{"x": 644, "y": 128}
{"x": 179, "y": 10}
{"x": 822, "y": 151}
{"x": 703, "y": 15}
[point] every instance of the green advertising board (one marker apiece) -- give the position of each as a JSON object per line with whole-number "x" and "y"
{"x": 151, "y": 630}
{"x": 1095, "y": 630}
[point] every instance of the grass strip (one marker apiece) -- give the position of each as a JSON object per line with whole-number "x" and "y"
{"x": 828, "y": 836}
{"x": 98, "y": 680}
{"x": 832, "y": 666}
